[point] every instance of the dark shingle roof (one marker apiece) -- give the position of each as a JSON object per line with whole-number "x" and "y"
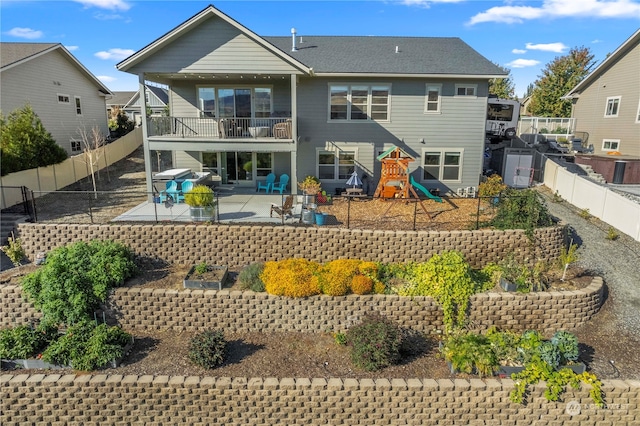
{"x": 377, "y": 55}
{"x": 161, "y": 93}
{"x": 121, "y": 98}
{"x": 11, "y": 53}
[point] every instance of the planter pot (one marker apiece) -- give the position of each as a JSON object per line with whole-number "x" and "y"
{"x": 308, "y": 217}
{"x": 320, "y": 218}
{"x": 508, "y": 285}
{"x": 309, "y": 199}
{"x": 191, "y": 281}
{"x": 202, "y": 214}
{"x": 507, "y": 370}
{"x": 577, "y": 368}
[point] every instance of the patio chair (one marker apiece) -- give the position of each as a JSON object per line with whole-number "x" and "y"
{"x": 281, "y": 185}
{"x": 267, "y": 184}
{"x": 171, "y": 190}
{"x": 187, "y": 186}
{"x": 286, "y": 209}
{"x": 282, "y": 130}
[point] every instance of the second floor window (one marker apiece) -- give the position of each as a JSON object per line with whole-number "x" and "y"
{"x": 359, "y": 102}
{"x": 432, "y": 100}
{"x": 230, "y": 102}
{"x": 466, "y": 89}
{"x": 613, "y": 104}
{"x": 78, "y": 106}
{"x": 63, "y": 99}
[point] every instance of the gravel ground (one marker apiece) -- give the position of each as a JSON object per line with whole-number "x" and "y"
{"x": 618, "y": 262}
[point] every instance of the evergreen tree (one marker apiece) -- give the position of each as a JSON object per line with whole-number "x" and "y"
{"x": 25, "y": 143}
{"x": 558, "y": 78}
{"x": 503, "y": 88}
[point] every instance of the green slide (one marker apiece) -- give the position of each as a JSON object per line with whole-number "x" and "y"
{"x": 424, "y": 190}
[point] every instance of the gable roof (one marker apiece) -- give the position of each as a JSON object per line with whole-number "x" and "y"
{"x": 352, "y": 55}
{"x": 13, "y": 54}
{"x": 161, "y": 93}
{"x": 121, "y": 98}
{"x": 622, "y": 50}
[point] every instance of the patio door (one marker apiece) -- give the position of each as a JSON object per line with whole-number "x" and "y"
{"x": 239, "y": 168}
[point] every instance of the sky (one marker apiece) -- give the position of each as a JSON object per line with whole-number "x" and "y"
{"x": 523, "y": 36}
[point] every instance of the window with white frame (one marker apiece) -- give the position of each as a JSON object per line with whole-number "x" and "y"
{"x": 613, "y": 105}
{"x": 78, "y": 105}
{"x": 63, "y": 99}
{"x": 638, "y": 114}
{"x": 359, "y": 102}
{"x": 432, "y": 98}
{"x": 336, "y": 165}
{"x": 264, "y": 163}
{"x": 76, "y": 146}
{"x": 442, "y": 164}
{"x": 466, "y": 89}
{"x": 610, "y": 144}
{"x": 235, "y": 102}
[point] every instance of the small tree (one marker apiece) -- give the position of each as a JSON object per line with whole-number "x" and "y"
{"x": 25, "y": 143}
{"x": 93, "y": 143}
{"x": 503, "y": 88}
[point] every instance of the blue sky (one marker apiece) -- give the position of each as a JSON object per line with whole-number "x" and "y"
{"x": 521, "y": 35}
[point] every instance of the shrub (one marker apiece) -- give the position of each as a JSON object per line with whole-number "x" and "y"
{"x": 375, "y": 343}
{"x": 492, "y": 187}
{"x": 200, "y": 196}
{"x": 612, "y": 234}
{"x": 208, "y": 349}
{"x": 361, "y": 284}
{"x": 568, "y": 256}
{"x": 23, "y": 341}
{"x": 334, "y": 278}
{"x": 87, "y": 346}
{"x": 14, "y": 250}
{"x": 76, "y": 278}
{"x": 521, "y": 209}
{"x": 249, "y": 277}
{"x": 470, "y": 353}
{"x": 291, "y": 278}
{"x": 567, "y": 344}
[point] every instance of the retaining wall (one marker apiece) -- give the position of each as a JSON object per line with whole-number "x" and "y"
{"x": 235, "y": 245}
{"x": 114, "y": 399}
{"x": 141, "y": 309}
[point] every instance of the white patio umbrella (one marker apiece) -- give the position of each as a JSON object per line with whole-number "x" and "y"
{"x": 354, "y": 180}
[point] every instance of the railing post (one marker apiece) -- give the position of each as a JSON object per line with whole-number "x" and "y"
{"x": 90, "y": 211}
{"x": 348, "y": 212}
{"x": 415, "y": 213}
{"x": 478, "y": 214}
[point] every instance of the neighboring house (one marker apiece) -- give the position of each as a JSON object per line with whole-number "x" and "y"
{"x": 524, "y": 106}
{"x": 119, "y": 100}
{"x": 157, "y": 99}
{"x": 61, "y": 91}
{"x": 243, "y": 105}
{"x": 606, "y": 103}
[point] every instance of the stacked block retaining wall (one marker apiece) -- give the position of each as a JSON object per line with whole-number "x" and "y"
{"x": 114, "y": 399}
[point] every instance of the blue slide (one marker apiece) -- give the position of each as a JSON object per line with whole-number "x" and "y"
{"x": 424, "y": 190}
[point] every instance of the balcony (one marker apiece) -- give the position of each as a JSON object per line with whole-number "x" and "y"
{"x": 209, "y": 128}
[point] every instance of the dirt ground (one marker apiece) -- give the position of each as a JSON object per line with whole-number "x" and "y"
{"x": 290, "y": 354}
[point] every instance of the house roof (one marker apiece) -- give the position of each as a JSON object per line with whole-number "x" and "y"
{"x": 622, "y": 50}
{"x": 352, "y": 55}
{"x": 378, "y": 55}
{"x": 121, "y": 98}
{"x": 13, "y": 54}
{"x": 397, "y": 151}
{"x": 161, "y": 93}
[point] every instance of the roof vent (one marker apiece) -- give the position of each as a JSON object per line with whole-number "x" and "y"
{"x": 397, "y": 49}
{"x": 294, "y": 48}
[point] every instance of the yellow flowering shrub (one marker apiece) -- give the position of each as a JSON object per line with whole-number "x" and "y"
{"x": 361, "y": 284}
{"x": 334, "y": 278}
{"x": 290, "y": 277}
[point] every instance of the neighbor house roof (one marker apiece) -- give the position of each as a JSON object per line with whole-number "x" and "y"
{"x": 161, "y": 93}
{"x": 366, "y": 55}
{"x": 121, "y": 98}
{"x": 600, "y": 69}
{"x": 13, "y": 54}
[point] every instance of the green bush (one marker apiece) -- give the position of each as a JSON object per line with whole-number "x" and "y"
{"x": 87, "y": 346}
{"x": 200, "y": 196}
{"x": 249, "y": 277}
{"x": 23, "y": 341}
{"x": 521, "y": 209}
{"x": 76, "y": 278}
{"x": 208, "y": 349}
{"x": 14, "y": 250}
{"x": 470, "y": 353}
{"x": 375, "y": 343}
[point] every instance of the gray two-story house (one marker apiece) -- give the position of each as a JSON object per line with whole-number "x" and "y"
{"x": 243, "y": 105}
{"x": 64, "y": 94}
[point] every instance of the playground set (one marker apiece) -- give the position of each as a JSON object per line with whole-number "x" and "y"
{"x": 396, "y": 181}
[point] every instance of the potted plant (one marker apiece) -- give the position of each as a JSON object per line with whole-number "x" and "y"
{"x": 201, "y": 203}
{"x": 310, "y": 186}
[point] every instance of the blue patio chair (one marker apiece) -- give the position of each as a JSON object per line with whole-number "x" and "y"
{"x": 267, "y": 184}
{"x": 187, "y": 186}
{"x": 281, "y": 185}
{"x": 171, "y": 189}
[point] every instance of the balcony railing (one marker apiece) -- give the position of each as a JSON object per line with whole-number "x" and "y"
{"x": 220, "y": 128}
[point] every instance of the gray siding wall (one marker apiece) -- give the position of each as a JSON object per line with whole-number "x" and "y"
{"x": 621, "y": 78}
{"x": 213, "y": 47}
{"x": 460, "y": 125}
{"x": 33, "y": 83}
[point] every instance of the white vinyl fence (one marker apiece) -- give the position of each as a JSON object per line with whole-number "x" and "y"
{"x": 608, "y": 206}
{"x": 73, "y": 169}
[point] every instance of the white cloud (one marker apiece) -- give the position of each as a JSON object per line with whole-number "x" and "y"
{"x": 27, "y": 33}
{"x": 106, "y": 78}
{"x": 518, "y": 51}
{"x": 427, "y": 3}
{"x": 106, "y": 4}
{"x": 116, "y": 53}
{"x": 548, "y": 47}
{"x": 107, "y": 17}
{"x": 523, "y": 63}
{"x": 550, "y": 9}
{"x": 72, "y": 48}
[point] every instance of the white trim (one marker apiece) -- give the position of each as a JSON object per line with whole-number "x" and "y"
{"x": 426, "y": 98}
{"x": 215, "y": 87}
{"x": 338, "y": 146}
{"x": 349, "y": 86}
{"x": 441, "y": 166}
{"x": 77, "y": 104}
{"x": 616, "y": 141}
{"x": 606, "y": 106}
{"x": 67, "y": 101}
{"x": 401, "y": 75}
{"x": 638, "y": 114}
